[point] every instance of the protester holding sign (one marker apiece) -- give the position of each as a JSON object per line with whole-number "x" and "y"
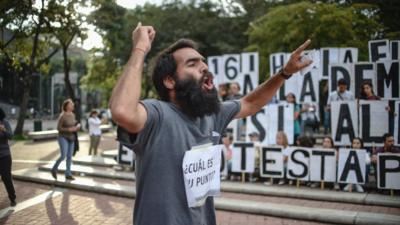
{"x": 282, "y": 140}
{"x": 190, "y": 107}
{"x": 388, "y": 147}
{"x": 291, "y": 99}
{"x": 357, "y": 143}
{"x": 367, "y": 91}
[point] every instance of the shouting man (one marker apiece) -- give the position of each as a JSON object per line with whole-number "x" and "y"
{"x": 188, "y": 114}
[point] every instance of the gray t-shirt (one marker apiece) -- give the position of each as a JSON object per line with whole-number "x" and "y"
{"x": 160, "y": 148}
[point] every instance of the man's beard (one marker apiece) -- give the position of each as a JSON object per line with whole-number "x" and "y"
{"x": 193, "y": 100}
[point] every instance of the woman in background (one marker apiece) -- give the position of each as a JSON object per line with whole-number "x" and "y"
{"x": 66, "y": 127}
{"x": 5, "y": 157}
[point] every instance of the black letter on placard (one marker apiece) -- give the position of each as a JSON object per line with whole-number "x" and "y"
{"x": 335, "y": 71}
{"x": 383, "y": 170}
{"x": 366, "y": 126}
{"x": 277, "y": 66}
{"x": 344, "y": 115}
{"x": 394, "y": 50}
{"x": 375, "y": 55}
{"x": 281, "y": 115}
{"x": 252, "y": 66}
{"x": 392, "y": 115}
{"x": 348, "y": 166}
{"x": 323, "y": 154}
{"x": 325, "y": 62}
{"x": 222, "y": 161}
{"x": 348, "y": 57}
{"x": 243, "y": 147}
{"x": 266, "y": 161}
{"x": 248, "y": 86}
{"x": 359, "y": 76}
{"x": 231, "y": 75}
{"x": 308, "y": 81}
{"x": 258, "y": 125}
{"x": 386, "y": 78}
{"x": 305, "y": 170}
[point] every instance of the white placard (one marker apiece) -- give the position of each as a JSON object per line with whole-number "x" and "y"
{"x": 215, "y": 67}
{"x": 201, "y": 171}
{"x": 348, "y": 55}
{"x": 323, "y": 165}
{"x": 298, "y": 163}
{"x": 271, "y": 162}
{"x": 126, "y": 156}
{"x": 388, "y": 168}
{"x": 351, "y": 166}
{"x": 397, "y": 123}
{"x": 344, "y": 122}
{"x": 243, "y": 157}
{"x": 249, "y": 72}
{"x": 388, "y": 79}
{"x": 374, "y": 121}
{"x": 309, "y": 87}
{"x": 378, "y": 50}
{"x": 338, "y": 71}
{"x": 364, "y": 71}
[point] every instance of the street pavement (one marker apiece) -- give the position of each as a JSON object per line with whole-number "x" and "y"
{"x": 47, "y": 204}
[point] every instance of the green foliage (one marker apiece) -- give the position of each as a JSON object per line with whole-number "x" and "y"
{"x": 205, "y": 22}
{"x": 284, "y": 28}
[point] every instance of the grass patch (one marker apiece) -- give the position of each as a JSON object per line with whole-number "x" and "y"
{"x": 19, "y": 137}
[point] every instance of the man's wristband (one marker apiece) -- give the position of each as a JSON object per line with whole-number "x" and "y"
{"x": 283, "y": 75}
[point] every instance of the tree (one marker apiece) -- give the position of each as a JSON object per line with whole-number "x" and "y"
{"x": 66, "y": 24}
{"x": 284, "y": 28}
{"x": 205, "y": 22}
{"x": 23, "y": 50}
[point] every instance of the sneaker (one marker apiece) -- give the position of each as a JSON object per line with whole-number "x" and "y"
{"x": 13, "y": 203}
{"x": 347, "y": 187}
{"x": 54, "y": 174}
{"x": 69, "y": 177}
{"x": 359, "y": 188}
{"x": 290, "y": 182}
{"x": 281, "y": 182}
{"x": 336, "y": 187}
{"x": 314, "y": 185}
{"x": 268, "y": 183}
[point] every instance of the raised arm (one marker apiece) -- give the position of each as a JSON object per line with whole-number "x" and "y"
{"x": 124, "y": 103}
{"x": 255, "y": 100}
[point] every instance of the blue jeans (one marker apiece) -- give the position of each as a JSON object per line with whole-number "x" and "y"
{"x": 66, "y": 149}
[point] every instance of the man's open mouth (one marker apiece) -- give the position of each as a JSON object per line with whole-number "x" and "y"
{"x": 208, "y": 81}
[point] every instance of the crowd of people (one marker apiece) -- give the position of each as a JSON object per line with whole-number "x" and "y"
{"x": 306, "y": 123}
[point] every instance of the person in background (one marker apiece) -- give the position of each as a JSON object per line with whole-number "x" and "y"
{"x": 357, "y": 143}
{"x": 328, "y": 143}
{"x": 227, "y": 140}
{"x": 94, "y": 132}
{"x": 282, "y": 140}
{"x": 341, "y": 94}
{"x": 309, "y": 120}
{"x": 367, "y": 92}
{"x": 388, "y": 147}
{"x": 234, "y": 91}
{"x": 291, "y": 99}
{"x": 222, "y": 92}
{"x": 255, "y": 138}
{"x": 66, "y": 127}
{"x": 5, "y": 157}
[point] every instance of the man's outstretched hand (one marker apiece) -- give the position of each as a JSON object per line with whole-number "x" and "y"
{"x": 295, "y": 62}
{"x": 142, "y": 37}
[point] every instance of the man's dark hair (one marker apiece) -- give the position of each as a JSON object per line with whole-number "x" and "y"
{"x": 385, "y": 136}
{"x": 342, "y": 81}
{"x": 165, "y": 65}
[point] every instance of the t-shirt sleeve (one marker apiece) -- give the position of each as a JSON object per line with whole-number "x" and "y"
{"x": 135, "y": 141}
{"x": 227, "y": 112}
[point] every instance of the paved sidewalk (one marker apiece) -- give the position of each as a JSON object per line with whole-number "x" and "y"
{"x": 80, "y": 207}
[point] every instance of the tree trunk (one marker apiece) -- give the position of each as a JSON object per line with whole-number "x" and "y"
{"x": 23, "y": 106}
{"x": 68, "y": 85}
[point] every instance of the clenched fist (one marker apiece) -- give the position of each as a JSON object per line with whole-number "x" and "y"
{"x": 142, "y": 37}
